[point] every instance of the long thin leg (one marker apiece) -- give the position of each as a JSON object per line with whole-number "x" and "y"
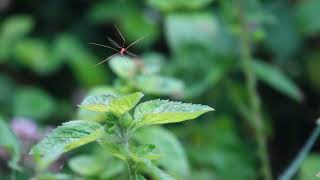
{"x": 105, "y": 60}
{"x": 124, "y": 41}
{"x": 102, "y": 45}
{"x": 114, "y": 43}
{"x": 132, "y": 54}
{"x": 136, "y": 41}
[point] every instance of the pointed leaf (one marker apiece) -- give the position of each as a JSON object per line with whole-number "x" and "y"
{"x": 111, "y": 103}
{"x": 68, "y": 136}
{"x": 99, "y": 103}
{"x": 164, "y": 111}
{"x": 275, "y": 78}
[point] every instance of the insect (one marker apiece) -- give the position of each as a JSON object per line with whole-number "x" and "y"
{"x": 121, "y": 50}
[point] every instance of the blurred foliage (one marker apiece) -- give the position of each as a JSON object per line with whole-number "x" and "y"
{"x": 191, "y": 53}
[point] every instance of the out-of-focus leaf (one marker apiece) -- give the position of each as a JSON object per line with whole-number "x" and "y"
{"x": 124, "y": 67}
{"x": 33, "y": 103}
{"x": 164, "y": 111}
{"x": 13, "y": 29}
{"x": 313, "y": 64}
{"x": 68, "y": 136}
{"x": 86, "y": 165}
{"x": 154, "y": 170}
{"x": 10, "y": 142}
{"x": 172, "y": 155}
{"x": 53, "y": 176}
{"x": 159, "y": 85}
{"x": 307, "y": 16}
{"x": 70, "y": 49}
{"x": 224, "y": 149}
{"x": 16, "y": 26}
{"x": 35, "y": 54}
{"x": 283, "y": 37}
{"x": 200, "y": 29}
{"x": 110, "y": 103}
{"x": 310, "y": 167}
{"x": 152, "y": 63}
{"x": 7, "y": 91}
{"x": 170, "y": 5}
{"x": 275, "y": 78}
{"x": 138, "y": 24}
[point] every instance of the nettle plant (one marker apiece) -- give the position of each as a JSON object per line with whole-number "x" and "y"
{"x": 116, "y": 131}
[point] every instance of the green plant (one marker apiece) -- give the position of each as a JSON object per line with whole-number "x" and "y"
{"x": 116, "y": 131}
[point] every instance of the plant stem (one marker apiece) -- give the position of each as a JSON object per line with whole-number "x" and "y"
{"x": 294, "y": 166}
{"x": 254, "y": 99}
{"x": 132, "y": 170}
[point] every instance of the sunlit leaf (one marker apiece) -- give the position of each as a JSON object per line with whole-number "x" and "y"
{"x": 110, "y": 103}
{"x": 68, "y": 136}
{"x": 164, "y": 111}
{"x": 275, "y": 78}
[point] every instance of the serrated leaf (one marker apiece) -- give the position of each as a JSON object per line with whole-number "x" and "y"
{"x": 98, "y": 103}
{"x": 111, "y": 103}
{"x": 275, "y": 78}
{"x": 68, "y": 136}
{"x": 10, "y": 142}
{"x": 159, "y": 85}
{"x": 123, "y": 104}
{"x": 165, "y": 111}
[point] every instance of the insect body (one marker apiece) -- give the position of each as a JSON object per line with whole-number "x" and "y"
{"x": 121, "y": 50}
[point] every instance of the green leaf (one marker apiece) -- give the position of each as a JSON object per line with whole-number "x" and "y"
{"x": 159, "y": 85}
{"x": 199, "y": 29}
{"x": 164, "y": 111}
{"x": 275, "y": 78}
{"x": 307, "y": 16}
{"x": 310, "y": 167}
{"x": 99, "y": 103}
{"x": 111, "y": 103}
{"x": 170, "y": 5}
{"x": 12, "y": 30}
{"x": 172, "y": 155}
{"x": 35, "y": 54}
{"x": 10, "y": 142}
{"x": 33, "y": 103}
{"x": 16, "y": 26}
{"x": 68, "y": 136}
{"x": 154, "y": 170}
{"x": 123, "y": 66}
{"x": 86, "y": 165}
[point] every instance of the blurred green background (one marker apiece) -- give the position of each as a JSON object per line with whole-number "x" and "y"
{"x": 192, "y": 53}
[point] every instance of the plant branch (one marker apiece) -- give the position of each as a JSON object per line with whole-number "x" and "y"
{"x": 296, "y": 163}
{"x": 254, "y": 100}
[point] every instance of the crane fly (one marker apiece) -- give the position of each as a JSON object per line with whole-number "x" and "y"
{"x": 121, "y": 50}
